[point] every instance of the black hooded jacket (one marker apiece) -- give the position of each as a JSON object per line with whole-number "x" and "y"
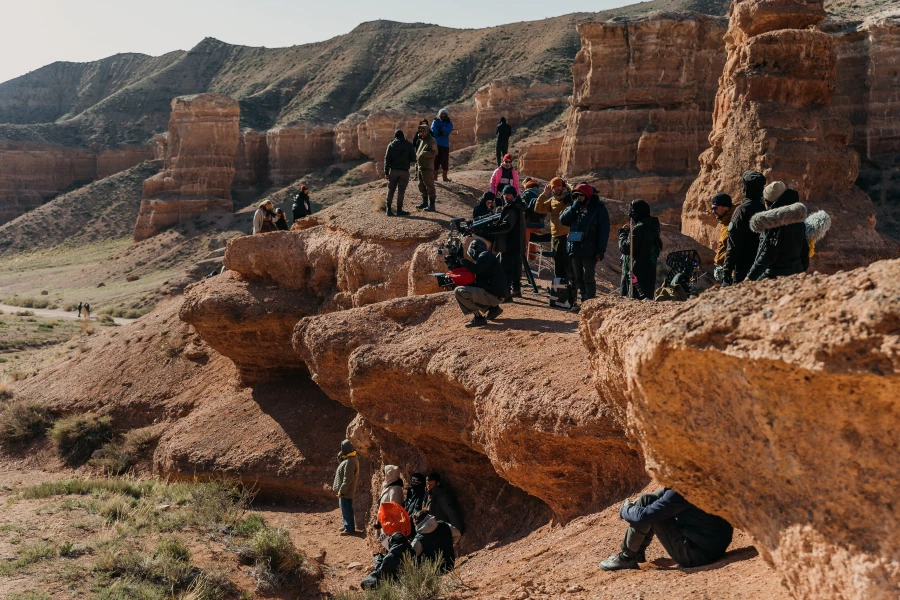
{"x": 783, "y": 249}
{"x": 398, "y": 156}
{"x": 435, "y": 538}
{"x": 481, "y": 210}
{"x": 416, "y": 495}
{"x": 647, "y": 246}
{"x": 509, "y": 232}
{"x": 740, "y": 251}
{"x": 592, "y": 220}
{"x": 301, "y": 206}
{"x": 504, "y": 132}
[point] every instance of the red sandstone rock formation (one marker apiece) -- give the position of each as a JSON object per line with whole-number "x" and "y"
{"x": 774, "y": 405}
{"x": 643, "y": 98}
{"x": 541, "y": 160}
{"x": 297, "y": 149}
{"x": 772, "y": 115}
{"x": 199, "y": 169}
{"x": 251, "y": 162}
{"x": 516, "y": 98}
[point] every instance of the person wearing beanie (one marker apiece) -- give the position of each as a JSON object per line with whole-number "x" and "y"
{"x": 506, "y": 174}
{"x": 742, "y": 243}
{"x": 397, "y": 158}
{"x": 441, "y": 128}
{"x": 301, "y": 206}
{"x": 722, "y": 209}
{"x": 509, "y": 241}
{"x": 783, "y": 247}
{"x": 588, "y": 222}
{"x": 485, "y": 207}
{"x": 426, "y": 152}
{"x": 642, "y": 243}
{"x": 504, "y": 132}
{"x": 345, "y": 479}
{"x": 555, "y": 198}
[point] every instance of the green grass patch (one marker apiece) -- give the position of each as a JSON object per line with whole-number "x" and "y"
{"x": 78, "y": 436}
{"x": 28, "y": 556}
{"x": 416, "y": 580}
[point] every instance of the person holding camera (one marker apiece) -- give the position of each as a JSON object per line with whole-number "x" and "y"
{"x": 508, "y": 236}
{"x": 588, "y": 223}
{"x": 485, "y": 294}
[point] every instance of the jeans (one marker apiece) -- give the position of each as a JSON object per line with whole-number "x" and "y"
{"x": 585, "y": 277}
{"x": 397, "y": 180}
{"x": 346, "y": 505}
{"x": 638, "y": 537}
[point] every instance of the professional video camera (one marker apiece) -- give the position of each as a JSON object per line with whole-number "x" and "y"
{"x": 452, "y": 250}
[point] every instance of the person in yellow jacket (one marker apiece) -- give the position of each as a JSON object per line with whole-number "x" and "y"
{"x": 722, "y": 208}
{"x": 555, "y": 198}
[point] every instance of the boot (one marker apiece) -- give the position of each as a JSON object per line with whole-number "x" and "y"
{"x": 424, "y": 203}
{"x": 617, "y": 562}
{"x": 431, "y": 204}
{"x": 445, "y": 175}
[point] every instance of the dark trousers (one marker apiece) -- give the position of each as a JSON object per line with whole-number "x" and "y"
{"x": 638, "y": 537}
{"x": 346, "y": 505}
{"x": 562, "y": 266}
{"x": 585, "y": 277}
{"x": 397, "y": 180}
{"x": 442, "y": 160}
{"x": 426, "y": 183}
{"x": 512, "y": 267}
{"x": 501, "y": 150}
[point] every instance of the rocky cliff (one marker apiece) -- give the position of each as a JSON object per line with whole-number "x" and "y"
{"x": 772, "y": 114}
{"x": 199, "y": 167}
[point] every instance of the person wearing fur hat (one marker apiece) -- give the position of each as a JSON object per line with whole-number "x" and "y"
{"x": 504, "y": 132}
{"x": 441, "y": 128}
{"x": 588, "y": 222}
{"x": 555, "y": 198}
{"x": 740, "y": 251}
{"x": 506, "y": 174}
{"x": 783, "y": 248}
{"x": 722, "y": 209}
{"x": 642, "y": 244}
{"x": 397, "y": 158}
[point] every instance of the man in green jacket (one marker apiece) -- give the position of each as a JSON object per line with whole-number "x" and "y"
{"x": 345, "y": 480}
{"x": 426, "y": 150}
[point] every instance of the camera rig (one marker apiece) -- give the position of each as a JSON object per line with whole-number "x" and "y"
{"x": 452, "y": 247}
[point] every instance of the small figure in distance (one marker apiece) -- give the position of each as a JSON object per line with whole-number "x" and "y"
{"x": 485, "y": 207}
{"x": 441, "y": 128}
{"x": 87, "y": 310}
{"x": 301, "y": 207}
{"x": 722, "y": 209}
{"x": 482, "y": 298}
{"x": 692, "y": 537}
{"x": 345, "y": 480}
{"x": 79, "y": 309}
{"x": 397, "y": 158}
{"x": 504, "y": 132}
{"x": 280, "y": 220}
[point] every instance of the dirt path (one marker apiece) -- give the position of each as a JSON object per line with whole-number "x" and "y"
{"x": 55, "y": 313}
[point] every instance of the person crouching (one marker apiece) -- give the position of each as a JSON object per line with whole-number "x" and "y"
{"x": 482, "y": 299}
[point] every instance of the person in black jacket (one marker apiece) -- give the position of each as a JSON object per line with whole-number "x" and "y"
{"x": 692, "y": 537}
{"x": 740, "y": 251}
{"x": 434, "y": 540}
{"x": 441, "y": 503}
{"x": 647, "y": 245}
{"x": 485, "y": 207}
{"x": 301, "y": 206}
{"x": 509, "y": 241}
{"x": 280, "y": 220}
{"x": 387, "y": 565}
{"x": 399, "y": 154}
{"x": 504, "y": 132}
{"x": 588, "y": 223}
{"x": 416, "y": 494}
{"x": 485, "y": 295}
{"x": 783, "y": 248}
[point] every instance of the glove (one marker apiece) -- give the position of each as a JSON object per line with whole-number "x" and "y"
{"x": 598, "y": 257}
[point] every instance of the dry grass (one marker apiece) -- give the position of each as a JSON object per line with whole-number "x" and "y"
{"x": 78, "y": 436}
{"x": 22, "y": 422}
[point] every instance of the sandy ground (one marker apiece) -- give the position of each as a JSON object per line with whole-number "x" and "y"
{"x": 61, "y": 314}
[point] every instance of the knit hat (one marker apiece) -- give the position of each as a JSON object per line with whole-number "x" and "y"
{"x": 556, "y": 181}
{"x": 443, "y": 111}
{"x": 754, "y": 182}
{"x": 488, "y": 196}
{"x": 509, "y": 190}
{"x": 722, "y": 199}
{"x": 584, "y": 189}
{"x": 507, "y": 157}
{"x": 391, "y": 473}
{"x": 503, "y": 120}
{"x": 773, "y": 191}
{"x": 639, "y": 210}
{"x": 530, "y": 183}
{"x": 398, "y": 135}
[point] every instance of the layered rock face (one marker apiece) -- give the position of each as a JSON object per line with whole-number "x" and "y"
{"x": 772, "y": 115}
{"x": 516, "y": 98}
{"x": 643, "y": 99}
{"x": 251, "y": 162}
{"x": 199, "y": 169}
{"x": 505, "y": 406}
{"x": 776, "y": 406}
{"x": 297, "y": 149}
{"x": 541, "y": 160}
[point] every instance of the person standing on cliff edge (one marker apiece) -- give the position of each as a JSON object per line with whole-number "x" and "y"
{"x": 441, "y": 128}
{"x": 397, "y": 158}
{"x": 345, "y": 480}
{"x": 504, "y": 132}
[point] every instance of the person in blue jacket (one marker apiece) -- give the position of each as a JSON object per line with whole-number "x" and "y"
{"x": 441, "y": 128}
{"x": 692, "y": 537}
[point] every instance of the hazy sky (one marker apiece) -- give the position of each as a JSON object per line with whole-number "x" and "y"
{"x": 39, "y": 32}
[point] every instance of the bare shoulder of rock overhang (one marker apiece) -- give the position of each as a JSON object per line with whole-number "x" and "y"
{"x": 776, "y": 405}
{"x": 518, "y": 392}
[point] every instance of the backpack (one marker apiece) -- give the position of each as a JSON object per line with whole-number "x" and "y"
{"x": 394, "y": 519}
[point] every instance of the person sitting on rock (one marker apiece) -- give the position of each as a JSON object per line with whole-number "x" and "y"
{"x": 397, "y": 158}
{"x": 280, "y": 220}
{"x": 387, "y": 565}
{"x": 783, "y": 249}
{"x": 485, "y": 207}
{"x": 508, "y": 235}
{"x": 740, "y": 252}
{"x": 416, "y": 494}
{"x": 434, "y": 540}
{"x": 486, "y": 293}
{"x": 345, "y": 480}
{"x": 691, "y": 536}
{"x": 506, "y": 174}
{"x": 722, "y": 209}
{"x": 301, "y": 206}
{"x": 441, "y": 504}
{"x": 392, "y": 490}
{"x": 641, "y": 243}
{"x": 588, "y": 222}
{"x": 263, "y": 218}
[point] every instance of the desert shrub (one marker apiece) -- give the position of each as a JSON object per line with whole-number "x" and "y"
{"x": 273, "y": 555}
{"x": 120, "y": 456}
{"x": 78, "y": 436}
{"x": 24, "y": 313}
{"x": 250, "y": 525}
{"x": 21, "y": 422}
{"x": 113, "y": 506}
{"x": 5, "y": 392}
{"x": 29, "y": 555}
{"x": 135, "y": 489}
{"x": 29, "y": 595}
{"x": 416, "y": 580}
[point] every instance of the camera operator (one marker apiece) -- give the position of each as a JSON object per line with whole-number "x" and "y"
{"x": 483, "y": 296}
{"x": 588, "y": 222}
{"x": 508, "y": 236}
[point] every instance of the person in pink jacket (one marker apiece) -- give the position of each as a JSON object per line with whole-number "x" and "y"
{"x": 506, "y": 174}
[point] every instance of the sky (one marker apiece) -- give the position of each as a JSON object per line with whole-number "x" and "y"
{"x": 39, "y": 32}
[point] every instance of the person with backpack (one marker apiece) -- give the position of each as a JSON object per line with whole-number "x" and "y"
{"x": 504, "y": 132}
{"x": 555, "y": 198}
{"x": 508, "y": 235}
{"x": 484, "y": 208}
{"x": 345, "y": 479}
{"x": 301, "y": 206}
{"x": 783, "y": 247}
{"x": 441, "y": 504}
{"x": 397, "y": 158}
{"x": 434, "y": 540}
{"x": 392, "y": 490}
{"x": 505, "y": 175}
{"x": 441, "y": 128}
{"x": 588, "y": 223}
{"x": 640, "y": 242}
{"x": 740, "y": 252}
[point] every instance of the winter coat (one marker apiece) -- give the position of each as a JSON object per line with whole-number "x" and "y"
{"x": 425, "y": 152}
{"x": 711, "y": 534}
{"x": 503, "y": 177}
{"x": 489, "y": 274}
{"x": 262, "y": 221}
{"x": 783, "y": 249}
{"x": 549, "y": 203}
{"x": 416, "y": 495}
{"x": 481, "y": 210}
{"x": 592, "y": 220}
{"x": 533, "y": 219}
{"x": 440, "y": 501}
{"x": 742, "y": 242}
{"x": 504, "y": 132}
{"x": 509, "y": 232}
{"x": 398, "y": 155}
{"x": 441, "y": 131}
{"x": 392, "y": 490}
{"x": 435, "y": 538}
{"x": 724, "y": 220}
{"x": 281, "y": 223}
{"x": 301, "y": 206}
{"x": 347, "y": 475}
{"x": 647, "y": 246}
